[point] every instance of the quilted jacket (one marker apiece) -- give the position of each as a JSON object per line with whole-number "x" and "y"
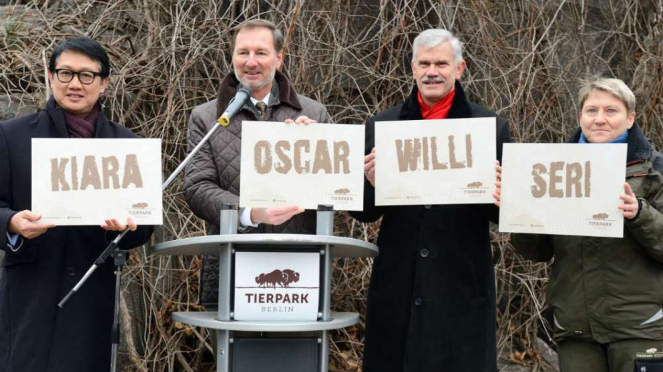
{"x": 213, "y": 176}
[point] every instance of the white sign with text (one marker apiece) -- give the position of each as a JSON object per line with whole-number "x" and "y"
{"x": 277, "y": 286}
{"x": 85, "y": 181}
{"x": 449, "y": 161}
{"x": 563, "y": 189}
{"x": 304, "y": 165}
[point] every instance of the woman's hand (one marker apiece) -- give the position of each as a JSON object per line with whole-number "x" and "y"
{"x": 631, "y": 205}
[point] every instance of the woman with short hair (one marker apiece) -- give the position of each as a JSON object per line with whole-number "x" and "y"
{"x": 606, "y": 294}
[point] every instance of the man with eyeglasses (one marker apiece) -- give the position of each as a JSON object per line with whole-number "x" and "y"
{"x": 43, "y": 262}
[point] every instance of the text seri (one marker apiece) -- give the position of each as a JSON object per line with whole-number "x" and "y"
{"x": 563, "y": 180}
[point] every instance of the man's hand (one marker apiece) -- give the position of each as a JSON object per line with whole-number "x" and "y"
{"x": 301, "y": 120}
{"x": 631, "y": 206}
{"x": 26, "y": 223}
{"x": 497, "y": 195}
{"x": 274, "y": 216}
{"x": 115, "y": 225}
{"x": 369, "y": 167}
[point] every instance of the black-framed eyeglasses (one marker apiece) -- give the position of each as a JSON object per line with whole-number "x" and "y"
{"x": 85, "y": 77}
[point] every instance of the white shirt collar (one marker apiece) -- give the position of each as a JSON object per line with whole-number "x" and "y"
{"x": 265, "y": 99}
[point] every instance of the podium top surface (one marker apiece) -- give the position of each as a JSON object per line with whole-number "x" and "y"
{"x": 208, "y": 320}
{"x": 215, "y": 244}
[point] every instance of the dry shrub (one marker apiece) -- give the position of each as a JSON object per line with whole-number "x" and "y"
{"x": 525, "y": 60}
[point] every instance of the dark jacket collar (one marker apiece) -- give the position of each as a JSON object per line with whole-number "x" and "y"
{"x": 286, "y": 92}
{"x": 56, "y": 114}
{"x": 639, "y": 147}
{"x": 460, "y": 107}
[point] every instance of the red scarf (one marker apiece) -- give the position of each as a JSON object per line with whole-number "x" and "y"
{"x": 440, "y": 110}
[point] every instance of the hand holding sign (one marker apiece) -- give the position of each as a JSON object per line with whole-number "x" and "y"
{"x": 115, "y": 225}
{"x": 631, "y": 206}
{"x": 369, "y": 167}
{"x": 301, "y": 120}
{"x": 276, "y": 215}
{"x": 26, "y": 223}
{"x": 497, "y": 195}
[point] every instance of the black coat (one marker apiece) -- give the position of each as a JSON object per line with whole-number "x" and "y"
{"x": 35, "y": 335}
{"x": 431, "y": 300}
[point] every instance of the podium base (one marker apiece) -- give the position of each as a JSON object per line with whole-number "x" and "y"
{"x": 238, "y": 350}
{"x": 275, "y": 354}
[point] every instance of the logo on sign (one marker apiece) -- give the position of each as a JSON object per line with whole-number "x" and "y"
{"x": 277, "y": 277}
{"x": 342, "y": 195}
{"x": 475, "y": 189}
{"x": 277, "y": 285}
{"x": 600, "y": 220}
{"x": 140, "y": 209}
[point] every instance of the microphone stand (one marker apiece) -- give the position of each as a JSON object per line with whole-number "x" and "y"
{"x": 120, "y": 256}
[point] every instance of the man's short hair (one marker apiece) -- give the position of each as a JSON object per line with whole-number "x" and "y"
{"x": 435, "y": 36}
{"x": 279, "y": 40}
{"x": 615, "y": 87}
{"x": 83, "y": 45}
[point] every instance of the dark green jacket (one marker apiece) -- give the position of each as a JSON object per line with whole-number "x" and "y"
{"x": 610, "y": 289}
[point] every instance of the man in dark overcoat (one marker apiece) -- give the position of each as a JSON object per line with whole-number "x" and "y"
{"x": 431, "y": 299}
{"x": 43, "y": 262}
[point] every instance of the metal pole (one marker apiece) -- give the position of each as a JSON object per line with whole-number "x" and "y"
{"x": 324, "y": 351}
{"x": 186, "y": 160}
{"x": 228, "y": 225}
{"x": 222, "y": 350}
{"x": 120, "y": 258}
{"x": 325, "y": 226}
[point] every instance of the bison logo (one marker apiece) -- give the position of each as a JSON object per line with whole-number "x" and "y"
{"x": 139, "y": 206}
{"x": 343, "y": 191}
{"x": 600, "y": 216}
{"x": 474, "y": 185}
{"x": 277, "y": 277}
{"x": 290, "y": 277}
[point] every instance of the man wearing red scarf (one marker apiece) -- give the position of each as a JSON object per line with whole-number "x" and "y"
{"x": 431, "y": 300}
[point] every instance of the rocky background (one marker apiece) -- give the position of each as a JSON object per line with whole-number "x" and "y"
{"x": 525, "y": 60}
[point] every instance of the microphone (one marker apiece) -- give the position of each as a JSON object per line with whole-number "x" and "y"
{"x": 235, "y": 105}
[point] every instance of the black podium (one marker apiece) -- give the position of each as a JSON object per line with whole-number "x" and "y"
{"x": 270, "y": 316}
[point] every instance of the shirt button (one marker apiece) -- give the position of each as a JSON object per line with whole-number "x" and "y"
{"x": 427, "y": 206}
{"x": 424, "y": 253}
{"x": 418, "y": 301}
{"x": 71, "y": 271}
